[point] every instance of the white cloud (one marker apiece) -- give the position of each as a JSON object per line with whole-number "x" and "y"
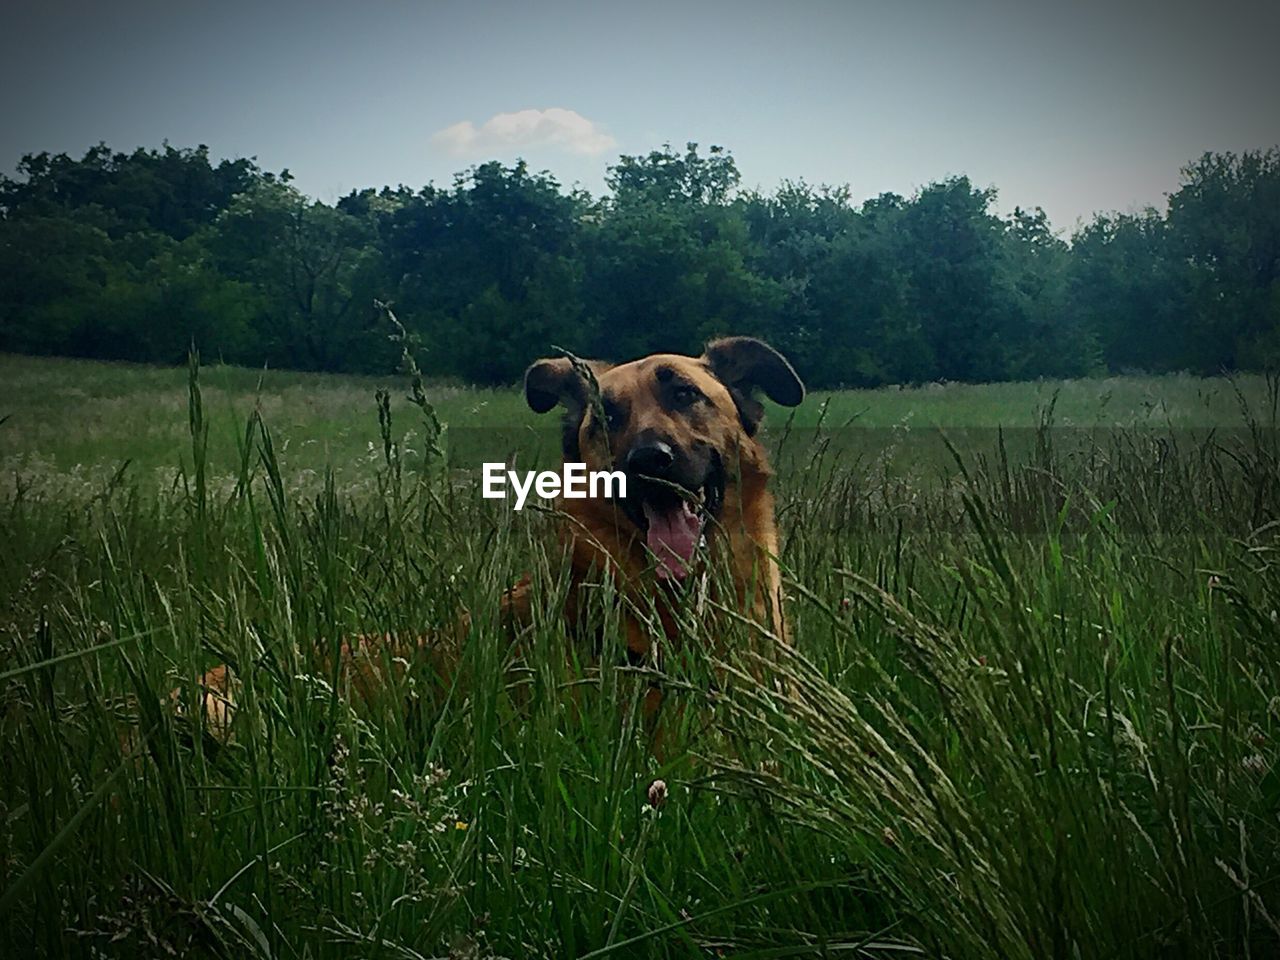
{"x": 567, "y": 130}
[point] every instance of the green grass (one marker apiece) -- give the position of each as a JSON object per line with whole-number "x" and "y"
{"x": 1031, "y": 712}
{"x": 73, "y": 423}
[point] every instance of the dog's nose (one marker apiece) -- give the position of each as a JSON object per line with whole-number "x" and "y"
{"x": 651, "y": 458}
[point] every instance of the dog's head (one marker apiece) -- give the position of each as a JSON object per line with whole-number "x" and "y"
{"x": 676, "y": 425}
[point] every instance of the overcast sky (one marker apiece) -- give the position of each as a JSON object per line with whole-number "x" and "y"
{"x": 1076, "y": 107}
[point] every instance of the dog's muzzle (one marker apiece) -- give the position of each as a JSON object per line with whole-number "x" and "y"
{"x": 673, "y": 513}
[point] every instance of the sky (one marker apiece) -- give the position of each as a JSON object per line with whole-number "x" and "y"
{"x": 1075, "y": 107}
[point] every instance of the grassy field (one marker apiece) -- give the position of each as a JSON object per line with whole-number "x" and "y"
{"x": 1032, "y": 711}
{"x": 73, "y": 424}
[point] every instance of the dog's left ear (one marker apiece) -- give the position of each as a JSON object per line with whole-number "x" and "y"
{"x": 745, "y": 365}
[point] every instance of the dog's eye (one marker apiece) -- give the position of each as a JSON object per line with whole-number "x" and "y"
{"x": 685, "y": 395}
{"x": 614, "y": 418}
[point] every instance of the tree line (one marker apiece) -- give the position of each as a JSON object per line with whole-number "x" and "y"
{"x": 134, "y": 256}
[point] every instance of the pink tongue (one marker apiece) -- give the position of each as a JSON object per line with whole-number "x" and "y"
{"x": 673, "y": 536}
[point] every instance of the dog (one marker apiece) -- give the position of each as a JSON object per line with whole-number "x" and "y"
{"x": 684, "y": 431}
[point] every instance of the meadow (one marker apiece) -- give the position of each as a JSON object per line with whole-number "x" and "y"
{"x": 1032, "y": 709}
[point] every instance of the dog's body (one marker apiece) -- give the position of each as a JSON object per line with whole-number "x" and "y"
{"x": 683, "y": 430}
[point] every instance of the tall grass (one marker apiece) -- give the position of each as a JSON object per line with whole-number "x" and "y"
{"x": 1031, "y": 711}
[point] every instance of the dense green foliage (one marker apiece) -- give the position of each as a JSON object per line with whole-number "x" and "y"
{"x": 135, "y": 256}
{"x": 1031, "y": 713}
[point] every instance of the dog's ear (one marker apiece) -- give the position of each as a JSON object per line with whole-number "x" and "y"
{"x": 745, "y": 365}
{"x": 556, "y": 381}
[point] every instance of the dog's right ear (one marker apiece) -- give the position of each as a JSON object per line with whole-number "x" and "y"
{"x": 556, "y": 381}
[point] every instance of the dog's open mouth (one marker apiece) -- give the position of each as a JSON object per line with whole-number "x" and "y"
{"x": 672, "y": 535}
{"x": 674, "y": 520}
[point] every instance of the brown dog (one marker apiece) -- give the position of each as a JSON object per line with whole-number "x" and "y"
{"x": 683, "y": 430}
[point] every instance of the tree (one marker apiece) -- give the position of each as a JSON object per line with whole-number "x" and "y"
{"x": 489, "y": 272}
{"x": 1054, "y": 342}
{"x": 313, "y": 269}
{"x": 52, "y": 269}
{"x": 666, "y": 266}
{"x": 1128, "y": 295}
{"x": 169, "y": 191}
{"x": 133, "y": 255}
{"x": 664, "y": 176}
{"x": 1224, "y": 222}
